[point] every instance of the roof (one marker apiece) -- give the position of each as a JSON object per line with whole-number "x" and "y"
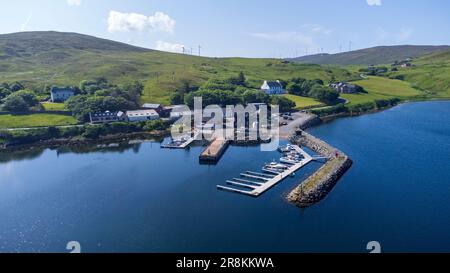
{"x": 151, "y": 105}
{"x": 274, "y": 84}
{"x": 142, "y": 113}
{"x": 104, "y": 114}
{"x": 63, "y": 89}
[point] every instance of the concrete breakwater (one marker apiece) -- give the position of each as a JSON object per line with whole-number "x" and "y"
{"x": 317, "y": 186}
{"x": 214, "y": 151}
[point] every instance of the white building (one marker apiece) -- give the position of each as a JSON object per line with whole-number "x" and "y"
{"x": 142, "y": 115}
{"x": 61, "y": 94}
{"x": 272, "y": 88}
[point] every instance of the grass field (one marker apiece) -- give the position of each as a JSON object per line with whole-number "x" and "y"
{"x": 35, "y": 120}
{"x": 363, "y": 98}
{"x": 49, "y": 106}
{"x": 388, "y": 87}
{"x": 304, "y": 102}
{"x": 430, "y": 73}
{"x": 379, "y": 88}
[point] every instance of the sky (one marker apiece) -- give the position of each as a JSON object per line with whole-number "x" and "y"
{"x": 239, "y": 28}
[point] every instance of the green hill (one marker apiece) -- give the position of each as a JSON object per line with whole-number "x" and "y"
{"x": 40, "y": 59}
{"x": 374, "y": 55}
{"x": 429, "y": 73}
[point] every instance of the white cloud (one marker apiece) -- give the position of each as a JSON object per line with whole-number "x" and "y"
{"x": 73, "y": 2}
{"x": 170, "y": 47}
{"x": 374, "y": 2}
{"x": 122, "y": 22}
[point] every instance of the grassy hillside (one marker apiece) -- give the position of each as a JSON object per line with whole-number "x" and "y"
{"x": 40, "y": 59}
{"x": 375, "y": 55}
{"x": 430, "y": 73}
{"x": 379, "y": 88}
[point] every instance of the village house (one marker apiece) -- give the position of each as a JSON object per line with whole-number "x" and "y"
{"x": 142, "y": 115}
{"x": 106, "y": 117}
{"x": 61, "y": 94}
{"x": 272, "y": 88}
{"x": 178, "y": 111}
{"x": 160, "y": 109}
{"x": 345, "y": 88}
{"x": 153, "y": 106}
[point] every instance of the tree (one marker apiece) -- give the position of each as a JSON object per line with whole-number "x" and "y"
{"x": 93, "y": 131}
{"x": 285, "y": 104}
{"x": 252, "y": 96}
{"x": 294, "y": 89}
{"x": 15, "y": 104}
{"x": 241, "y": 79}
{"x": 324, "y": 94}
{"x": 16, "y": 87}
{"x": 20, "y": 101}
{"x": 28, "y": 96}
{"x": 81, "y": 106}
{"x": 134, "y": 91}
{"x": 185, "y": 87}
{"x": 90, "y": 87}
{"x": 177, "y": 98}
{"x": 153, "y": 125}
{"x": 4, "y": 92}
{"x": 211, "y": 97}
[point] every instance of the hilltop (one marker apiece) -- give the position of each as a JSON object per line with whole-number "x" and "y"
{"x": 374, "y": 55}
{"x": 39, "y": 59}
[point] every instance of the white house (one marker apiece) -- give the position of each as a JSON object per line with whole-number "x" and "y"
{"x": 272, "y": 88}
{"x": 61, "y": 94}
{"x": 142, "y": 115}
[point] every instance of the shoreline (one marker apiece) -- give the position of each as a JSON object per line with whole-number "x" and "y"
{"x": 73, "y": 142}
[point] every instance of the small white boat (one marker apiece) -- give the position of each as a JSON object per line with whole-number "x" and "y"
{"x": 272, "y": 171}
{"x": 275, "y": 165}
{"x": 289, "y": 160}
{"x": 285, "y": 149}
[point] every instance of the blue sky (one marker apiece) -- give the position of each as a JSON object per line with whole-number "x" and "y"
{"x": 247, "y": 28}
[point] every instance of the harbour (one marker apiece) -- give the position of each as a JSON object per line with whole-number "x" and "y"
{"x": 266, "y": 181}
{"x": 131, "y": 199}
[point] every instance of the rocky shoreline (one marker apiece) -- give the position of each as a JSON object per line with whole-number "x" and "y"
{"x": 315, "y": 188}
{"x": 63, "y": 142}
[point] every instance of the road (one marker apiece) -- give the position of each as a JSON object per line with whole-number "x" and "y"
{"x": 33, "y": 128}
{"x": 299, "y": 118}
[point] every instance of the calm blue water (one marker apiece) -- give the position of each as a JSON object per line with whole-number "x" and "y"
{"x": 145, "y": 199}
